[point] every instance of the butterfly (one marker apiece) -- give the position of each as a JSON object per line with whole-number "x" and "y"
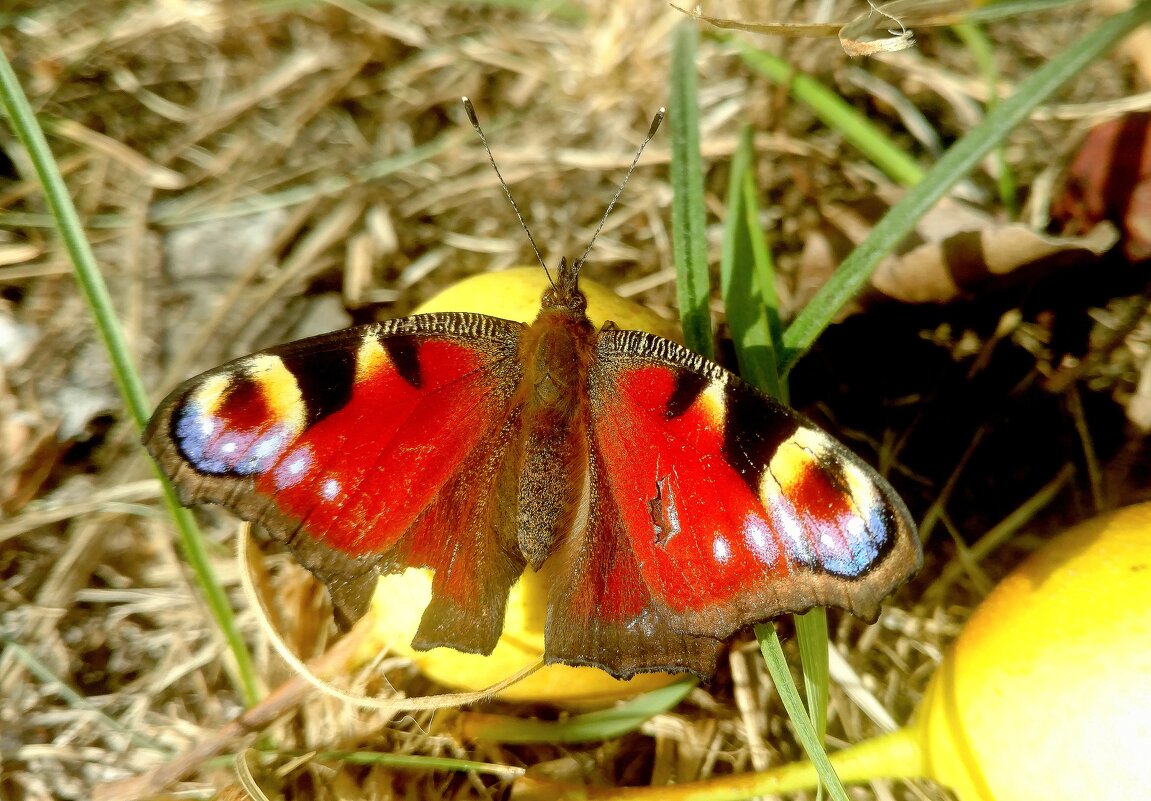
{"x": 679, "y": 503}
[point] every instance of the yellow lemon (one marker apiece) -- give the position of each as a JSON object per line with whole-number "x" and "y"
{"x": 515, "y": 295}
{"x": 1046, "y": 695}
{"x": 400, "y": 599}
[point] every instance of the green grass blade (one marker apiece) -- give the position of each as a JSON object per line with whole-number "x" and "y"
{"x": 836, "y": 113}
{"x": 409, "y": 761}
{"x": 746, "y": 278}
{"x": 58, "y": 686}
{"x": 982, "y": 49}
{"x": 184, "y": 210}
{"x": 765, "y": 283}
{"x": 811, "y": 633}
{"x": 951, "y": 167}
{"x": 748, "y": 283}
{"x": 31, "y": 135}
{"x": 604, "y": 724}
{"x": 689, "y": 213}
{"x": 1002, "y": 9}
{"x": 808, "y": 737}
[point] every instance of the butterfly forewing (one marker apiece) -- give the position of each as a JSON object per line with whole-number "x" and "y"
{"x": 347, "y": 445}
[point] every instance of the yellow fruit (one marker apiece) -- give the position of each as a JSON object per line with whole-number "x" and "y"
{"x": 1045, "y": 696}
{"x": 1047, "y": 693}
{"x": 400, "y": 599}
{"x": 515, "y": 295}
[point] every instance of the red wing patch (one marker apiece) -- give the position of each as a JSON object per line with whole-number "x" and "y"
{"x": 601, "y": 610}
{"x": 342, "y": 443}
{"x": 735, "y": 508}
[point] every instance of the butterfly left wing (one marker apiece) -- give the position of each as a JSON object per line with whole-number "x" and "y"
{"x": 712, "y": 507}
{"x": 365, "y": 450}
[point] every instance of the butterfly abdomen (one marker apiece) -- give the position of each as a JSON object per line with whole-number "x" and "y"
{"x": 553, "y": 464}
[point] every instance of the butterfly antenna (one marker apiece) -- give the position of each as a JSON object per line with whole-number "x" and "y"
{"x": 655, "y": 123}
{"x": 470, "y": 109}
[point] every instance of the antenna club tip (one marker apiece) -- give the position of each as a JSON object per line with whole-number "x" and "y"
{"x": 471, "y": 111}
{"x": 655, "y": 123}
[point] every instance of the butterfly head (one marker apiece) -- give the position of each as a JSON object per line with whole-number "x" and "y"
{"x": 564, "y": 293}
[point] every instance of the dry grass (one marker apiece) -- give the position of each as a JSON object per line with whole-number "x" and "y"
{"x": 226, "y": 157}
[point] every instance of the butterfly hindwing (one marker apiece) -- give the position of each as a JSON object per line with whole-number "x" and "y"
{"x": 467, "y": 535}
{"x": 370, "y": 449}
{"x": 730, "y": 509}
{"x": 601, "y": 611}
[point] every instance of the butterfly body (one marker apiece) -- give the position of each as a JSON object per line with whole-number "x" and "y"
{"x": 557, "y": 351}
{"x": 671, "y": 502}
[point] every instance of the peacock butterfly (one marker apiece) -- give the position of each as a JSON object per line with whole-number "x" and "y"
{"x": 682, "y": 503}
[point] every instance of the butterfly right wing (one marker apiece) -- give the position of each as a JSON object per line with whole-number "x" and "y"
{"x": 368, "y": 450}
{"x": 712, "y": 507}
